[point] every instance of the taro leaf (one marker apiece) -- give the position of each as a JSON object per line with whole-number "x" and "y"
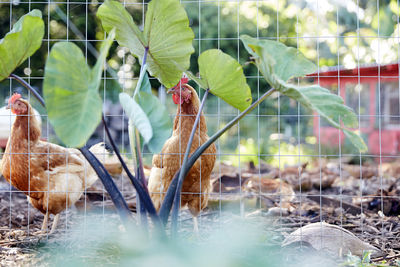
{"x": 224, "y": 76}
{"x": 166, "y": 33}
{"x": 170, "y": 40}
{"x": 355, "y": 139}
{"x": 136, "y": 114}
{"x": 70, "y": 89}
{"x": 279, "y": 63}
{"x": 159, "y": 119}
{"x": 286, "y": 62}
{"x": 21, "y": 42}
{"x": 145, "y": 86}
{"x": 113, "y": 14}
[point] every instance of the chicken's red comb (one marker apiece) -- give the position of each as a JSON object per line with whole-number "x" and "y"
{"x": 182, "y": 82}
{"x": 14, "y": 98}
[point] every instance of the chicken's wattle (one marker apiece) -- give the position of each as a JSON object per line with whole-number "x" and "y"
{"x": 177, "y": 99}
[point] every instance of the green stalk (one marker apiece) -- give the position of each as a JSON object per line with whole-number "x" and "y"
{"x": 141, "y": 76}
{"x": 131, "y": 126}
{"x": 131, "y": 134}
{"x": 233, "y": 122}
{"x": 142, "y": 179}
{"x": 168, "y": 200}
{"x": 134, "y": 142}
{"x": 143, "y": 195}
{"x": 175, "y": 211}
{"x": 109, "y": 185}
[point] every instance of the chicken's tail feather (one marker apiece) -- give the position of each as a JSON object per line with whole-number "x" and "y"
{"x": 107, "y": 158}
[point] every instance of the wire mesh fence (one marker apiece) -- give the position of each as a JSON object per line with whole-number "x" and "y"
{"x": 282, "y": 161}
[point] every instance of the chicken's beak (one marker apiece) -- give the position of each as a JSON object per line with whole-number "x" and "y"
{"x": 171, "y": 91}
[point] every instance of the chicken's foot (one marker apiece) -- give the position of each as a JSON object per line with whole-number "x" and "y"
{"x": 195, "y": 225}
{"x": 55, "y": 222}
{"x": 44, "y": 224}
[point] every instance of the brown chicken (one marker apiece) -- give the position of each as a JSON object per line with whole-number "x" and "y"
{"x": 197, "y": 186}
{"x": 53, "y": 177}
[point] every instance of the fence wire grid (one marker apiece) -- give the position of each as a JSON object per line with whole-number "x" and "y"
{"x": 318, "y": 176}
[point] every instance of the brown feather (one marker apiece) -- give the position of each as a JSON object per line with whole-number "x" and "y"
{"x": 53, "y": 177}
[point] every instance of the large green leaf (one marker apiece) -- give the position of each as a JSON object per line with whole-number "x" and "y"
{"x": 286, "y": 62}
{"x": 136, "y": 114}
{"x": 114, "y": 15}
{"x": 159, "y": 119}
{"x": 166, "y": 34}
{"x": 279, "y": 63}
{"x": 70, "y": 90}
{"x": 21, "y": 42}
{"x": 224, "y": 76}
{"x": 329, "y": 105}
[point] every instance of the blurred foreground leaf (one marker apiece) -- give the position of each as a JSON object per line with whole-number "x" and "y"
{"x": 98, "y": 241}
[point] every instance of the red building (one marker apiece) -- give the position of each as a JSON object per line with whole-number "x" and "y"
{"x": 373, "y": 93}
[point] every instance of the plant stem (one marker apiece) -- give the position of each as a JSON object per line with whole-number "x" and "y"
{"x": 143, "y": 195}
{"x": 108, "y": 183}
{"x": 142, "y": 213}
{"x": 167, "y": 203}
{"x": 135, "y": 144}
{"x": 131, "y": 135}
{"x": 142, "y": 179}
{"x": 175, "y": 211}
{"x": 140, "y": 159}
{"x": 218, "y": 134}
{"x": 143, "y": 70}
{"x": 139, "y": 83}
{"x": 29, "y": 87}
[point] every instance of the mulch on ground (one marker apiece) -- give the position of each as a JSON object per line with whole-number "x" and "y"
{"x": 362, "y": 199}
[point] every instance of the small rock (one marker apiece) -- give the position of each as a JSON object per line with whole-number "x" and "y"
{"x": 330, "y": 238}
{"x": 339, "y": 211}
{"x": 277, "y": 211}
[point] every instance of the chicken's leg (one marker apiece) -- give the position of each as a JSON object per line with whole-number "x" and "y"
{"x": 195, "y": 225}
{"x": 55, "y": 222}
{"x": 44, "y": 224}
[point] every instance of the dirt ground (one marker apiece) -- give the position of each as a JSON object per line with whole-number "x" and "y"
{"x": 363, "y": 200}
